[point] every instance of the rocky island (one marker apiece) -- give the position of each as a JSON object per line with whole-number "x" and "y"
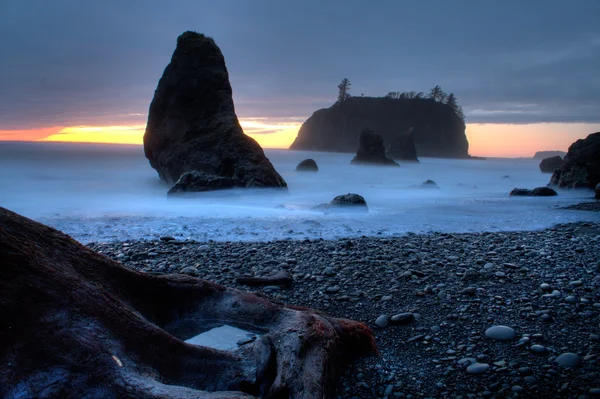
{"x": 193, "y": 137}
{"x": 436, "y": 128}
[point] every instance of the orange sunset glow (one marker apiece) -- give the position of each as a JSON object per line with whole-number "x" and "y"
{"x": 491, "y": 140}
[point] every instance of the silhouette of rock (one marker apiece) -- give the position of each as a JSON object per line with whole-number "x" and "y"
{"x": 437, "y": 131}
{"x": 308, "y": 165}
{"x": 549, "y": 165}
{"x": 429, "y": 184}
{"x": 536, "y": 192}
{"x": 402, "y": 148}
{"x": 196, "y": 181}
{"x": 582, "y": 164}
{"x": 192, "y": 125}
{"x": 77, "y": 324}
{"x": 346, "y": 201}
{"x": 549, "y": 154}
{"x": 371, "y": 150}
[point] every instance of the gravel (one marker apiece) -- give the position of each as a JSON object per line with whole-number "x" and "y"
{"x": 430, "y": 300}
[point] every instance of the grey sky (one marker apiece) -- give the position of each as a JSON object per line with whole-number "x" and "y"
{"x": 91, "y": 62}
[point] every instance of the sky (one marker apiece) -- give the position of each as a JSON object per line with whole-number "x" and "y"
{"x": 525, "y": 72}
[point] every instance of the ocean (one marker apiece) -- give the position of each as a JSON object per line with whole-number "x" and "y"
{"x": 102, "y": 192}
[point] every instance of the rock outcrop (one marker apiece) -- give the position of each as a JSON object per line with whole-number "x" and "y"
{"x": 549, "y": 165}
{"x": 308, "y": 165}
{"x": 348, "y": 200}
{"x": 582, "y": 164}
{"x": 536, "y": 192}
{"x": 192, "y": 125}
{"x": 437, "y": 130}
{"x": 76, "y": 324}
{"x": 549, "y": 154}
{"x": 402, "y": 148}
{"x": 371, "y": 150}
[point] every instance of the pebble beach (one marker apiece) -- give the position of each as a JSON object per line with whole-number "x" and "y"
{"x": 503, "y": 314}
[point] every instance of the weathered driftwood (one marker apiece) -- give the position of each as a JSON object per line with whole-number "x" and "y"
{"x": 76, "y": 324}
{"x": 281, "y": 278}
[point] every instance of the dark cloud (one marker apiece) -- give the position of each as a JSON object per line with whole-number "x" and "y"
{"x": 98, "y": 62}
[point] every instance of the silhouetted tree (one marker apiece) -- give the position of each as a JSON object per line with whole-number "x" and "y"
{"x": 344, "y": 91}
{"x": 451, "y": 101}
{"x": 437, "y": 94}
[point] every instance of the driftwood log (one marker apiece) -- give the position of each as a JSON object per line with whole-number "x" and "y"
{"x": 75, "y": 324}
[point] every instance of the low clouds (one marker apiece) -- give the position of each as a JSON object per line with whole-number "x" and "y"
{"x": 68, "y": 63}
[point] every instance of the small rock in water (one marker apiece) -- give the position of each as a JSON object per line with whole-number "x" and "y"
{"x": 569, "y": 360}
{"x": 501, "y": 333}
{"x": 167, "y": 238}
{"x": 382, "y": 321}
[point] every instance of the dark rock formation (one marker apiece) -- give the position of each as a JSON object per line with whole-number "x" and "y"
{"x": 429, "y": 184}
{"x": 192, "y": 125}
{"x": 582, "y": 164}
{"x": 76, "y": 324}
{"x": 597, "y": 189}
{"x": 536, "y": 192}
{"x": 549, "y": 165}
{"x": 308, "y": 165}
{"x": 437, "y": 131}
{"x": 549, "y": 154}
{"x": 346, "y": 201}
{"x": 371, "y": 150}
{"x": 402, "y": 148}
{"x": 196, "y": 181}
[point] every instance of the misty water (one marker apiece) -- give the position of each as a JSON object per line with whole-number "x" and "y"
{"x": 108, "y": 192}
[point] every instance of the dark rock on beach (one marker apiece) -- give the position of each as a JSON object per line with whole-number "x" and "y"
{"x": 536, "y": 192}
{"x": 549, "y": 165}
{"x": 308, "y": 165}
{"x": 348, "y": 201}
{"x": 582, "y": 164}
{"x": 402, "y": 147}
{"x": 371, "y": 150}
{"x": 196, "y": 181}
{"x": 192, "y": 125}
{"x": 437, "y": 130}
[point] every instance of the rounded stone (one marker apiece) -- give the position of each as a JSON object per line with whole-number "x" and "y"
{"x": 539, "y": 349}
{"x": 545, "y": 287}
{"x": 569, "y": 360}
{"x": 478, "y": 368}
{"x": 402, "y": 318}
{"x": 501, "y": 333}
{"x": 382, "y": 321}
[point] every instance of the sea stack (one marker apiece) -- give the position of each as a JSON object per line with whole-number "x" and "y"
{"x": 371, "y": 150}
{"x": 549, "y": 165}
{"x": 582, "y": 164}
{"x": 402, "y": 148}
{"x": 192, "y": 125}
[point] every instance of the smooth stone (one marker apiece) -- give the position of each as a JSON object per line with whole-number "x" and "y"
{"x": 382, "y": 321}
{"x": 501, "y": 333}
{"x": 540, "y": 349}
{"x": 545, "y": 287}
{"x": 402, "y": 318}
{"x": 478, "y": 368}
{"x": 569, "y": 360}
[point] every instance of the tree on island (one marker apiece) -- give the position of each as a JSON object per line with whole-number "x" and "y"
{"x": 344, "y": 91}
{"x": 437, "y": 94}
{"x": 407, "y": 95}
{"x": 453, "y": 103}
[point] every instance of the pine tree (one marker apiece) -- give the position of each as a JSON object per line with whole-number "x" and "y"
{"x": 437, "y": 94}
{"x": 344, "y": 91}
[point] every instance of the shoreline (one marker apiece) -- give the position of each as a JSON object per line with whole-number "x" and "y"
{"x": 453, "y": 286}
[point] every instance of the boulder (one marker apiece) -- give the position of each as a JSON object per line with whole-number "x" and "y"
{"x": 77, "y": 324}
{"x": 582, "y": 164}
{"x": 536, "y": 192}
{"x": 438, "y": 131}
{"x": 308, "y": 165}
{"x": 196, "y": 181}
{"x": 344, "y": 202}
{"x": 429, "y": 184}
{"x": 549, "y": 154}
{"x": 402, "y": 148}
{"x": 371, "y": 150}
{"x": 192, "y": 125}
{"x": 549, "y": 165}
